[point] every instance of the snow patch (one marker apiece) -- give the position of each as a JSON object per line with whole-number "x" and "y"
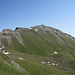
{"x": 48, "y": 62}
{"x": 36, "y": 30}
{"x": 56, "y": 52}
{"x": 30, "y": 28}
{"x": 53, "y": 63}
{"x": 20, "y": 58}
{"x": 6, "y": 53}
{"x": 3, "y": 52}
{"x": 43, "y": 62}
{"x": 56, "y": 64}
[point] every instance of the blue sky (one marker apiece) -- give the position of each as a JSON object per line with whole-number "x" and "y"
{"x": 59, "y": 14}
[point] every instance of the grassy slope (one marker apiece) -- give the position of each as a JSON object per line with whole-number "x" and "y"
{"x": 40, "y": 46}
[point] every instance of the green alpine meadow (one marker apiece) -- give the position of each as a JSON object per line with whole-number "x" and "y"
{"x": 38, "y": 50}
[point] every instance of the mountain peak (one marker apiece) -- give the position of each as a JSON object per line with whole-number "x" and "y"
{"x": 43, "y": 27}
{"x": 46, "y": 28}
{"x": 53, "y": 49}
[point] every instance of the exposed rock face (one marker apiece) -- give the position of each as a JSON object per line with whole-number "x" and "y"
{"x": 17, "y": 66}
{"x": 1, "y": 41}
{"x": 17, "y": 34}
{"x": 7, "y": 34}
{"x": 57, "y": 33}
{"x": 50, "y": 29}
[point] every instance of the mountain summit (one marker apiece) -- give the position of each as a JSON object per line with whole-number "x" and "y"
{"x": 38, "y": 50}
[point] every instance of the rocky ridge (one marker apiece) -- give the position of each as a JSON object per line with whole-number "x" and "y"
{"x": 7, "y": 34}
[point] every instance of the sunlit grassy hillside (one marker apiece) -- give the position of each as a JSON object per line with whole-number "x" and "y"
{"x": 39, "y": 50}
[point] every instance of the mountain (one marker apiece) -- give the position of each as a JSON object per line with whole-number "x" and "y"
{"x": 38, "y": 50}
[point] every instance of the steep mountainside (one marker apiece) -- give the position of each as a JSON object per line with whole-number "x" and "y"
{"x": 39, "y": 50}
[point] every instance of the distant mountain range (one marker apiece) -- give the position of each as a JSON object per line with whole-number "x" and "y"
{"x": 38, "y": 50}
